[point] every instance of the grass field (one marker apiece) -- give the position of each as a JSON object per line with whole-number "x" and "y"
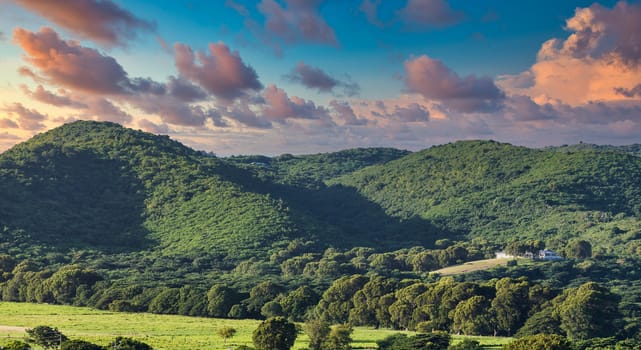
{"x": 161, "y": 331}
{"x": 476, "y": 265}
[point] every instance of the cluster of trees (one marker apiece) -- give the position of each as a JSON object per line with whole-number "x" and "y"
{"x": 501, "y": 307}
{"x": 51, "y": 338}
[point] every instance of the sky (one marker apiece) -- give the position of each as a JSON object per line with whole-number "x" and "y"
{"x": 307, "y": 76}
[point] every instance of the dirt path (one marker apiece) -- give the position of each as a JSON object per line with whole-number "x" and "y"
{"x": 12, "y": 329}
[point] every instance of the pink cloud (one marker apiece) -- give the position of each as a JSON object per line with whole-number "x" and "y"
{"x": 28, "y": 119}
{"x": 105, "y": 110}
{"x": 316, "y": 78}
{"x": 345, "y": 113}
{"x": 48, "y": 97}
{"x": 435, "y": 81}
{"x": 279, "y": 107}
{"x": 68, "y": 64}
{"x": 221, "y": 72}
{"x": 430, "y": 13}
{"x": 152, "y": 127}
{"x": 6, "y": 123}
{"x": 99, "y": 20}
{"x": 599, "y": 59}
{"x": 298, "y": 21}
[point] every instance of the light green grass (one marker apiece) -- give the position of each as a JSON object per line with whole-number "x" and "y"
{"x": 168, "y": 332}
{"x": 477, "y": 265}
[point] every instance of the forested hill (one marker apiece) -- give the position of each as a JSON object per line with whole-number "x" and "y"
{"x": 91, "y": 188}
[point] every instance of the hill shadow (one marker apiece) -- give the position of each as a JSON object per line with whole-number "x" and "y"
{"x": 340, "y": 216}
{"x": 72, "y": 198}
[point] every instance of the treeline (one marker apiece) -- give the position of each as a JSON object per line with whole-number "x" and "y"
{"x": 506, "y": 306}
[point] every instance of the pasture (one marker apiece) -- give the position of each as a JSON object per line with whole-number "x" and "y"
{"x": 163, "y": 332}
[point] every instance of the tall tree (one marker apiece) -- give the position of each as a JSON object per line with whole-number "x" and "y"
{"x": 275, "y": 333}
{"x": 589, "y": 312}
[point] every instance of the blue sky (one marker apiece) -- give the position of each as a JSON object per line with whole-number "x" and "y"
{"x": 303, "y": 76}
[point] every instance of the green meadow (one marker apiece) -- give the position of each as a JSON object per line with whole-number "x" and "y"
{"x": 168, "y": 332}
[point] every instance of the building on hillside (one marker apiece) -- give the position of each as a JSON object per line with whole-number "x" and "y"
{"x": 503, "y": 255}
{"x": 546, "y": 254}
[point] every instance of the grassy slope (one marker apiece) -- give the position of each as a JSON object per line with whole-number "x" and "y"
{"x": 500, "y": 192}
{"x": 160, "y": 331}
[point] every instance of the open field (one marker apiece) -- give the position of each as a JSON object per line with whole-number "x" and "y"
{"x": 472, "y": 266}
{"x": 161, "y": 331}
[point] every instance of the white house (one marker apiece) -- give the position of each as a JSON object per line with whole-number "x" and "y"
{"x": 546, "y": 254}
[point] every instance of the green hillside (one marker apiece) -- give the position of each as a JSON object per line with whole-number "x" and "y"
{"x": 131, "y": 203}
{"x": 499, "y": 192}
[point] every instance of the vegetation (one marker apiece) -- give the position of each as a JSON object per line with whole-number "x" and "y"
{"x": 93, "y": 214}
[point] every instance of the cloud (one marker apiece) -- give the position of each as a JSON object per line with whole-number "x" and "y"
{"x": 299, "y": 21}
{"x": 599, "y": 59}
{"x": 370, "y": 9}
{"x": 241, "y": 113}
{"x": 522, "y": 108}
{"x": 48, "y": 97}
{"x": 1, "y": 37}
{"x": 6, "y": 123}
{"x": 429, "y": 13}
{"x": 184, "y": 90}
{"x": 222, "y": 73}
{"x": 435, "y": 81}
{"x": 68, "y": 64}
{"x": 240, "y": 8}
{"x": 412, "y": 113}
{"x": 152, "y": 127}
{"x": 279, "y": 107}
{"x": 99, "y": 20}
{"x": 105, "y": 110}
{"x": 28, "y": 119}
{"x": 345, "y": 113}
{"x": 316, "y": 78}
{"x": 633, "y": 92}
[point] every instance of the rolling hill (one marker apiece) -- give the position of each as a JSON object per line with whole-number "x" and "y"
{"x": 130, "y": 202}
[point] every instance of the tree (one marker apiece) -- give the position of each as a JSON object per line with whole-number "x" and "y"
{"x": 46, "y": 336}
{"x": 339, "y": 338}
{"x": 79, "y": 345}
{"x": 466, "y": 344}
{"x": 471, "y": 316}
{"x": 510, "y": 305}
{"x": 317, "y": 330}
{"x": 579, "y": 249}
{"x": 123, "y": 343}
{"x": 17, "y": 345}
{"x": 297, "y": 304}
{"x": 220, "y": 300}
{"x": 271, "y": 309}
{"x": 226, "y": 333}
{"x": 427, "y": 341}
{"x": 539, "y": 342}
{"x": 275, "y": 333}
{"x": 590, "y": 311}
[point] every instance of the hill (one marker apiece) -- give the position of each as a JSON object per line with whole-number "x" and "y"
{"x": 499, "y": 192}
{"x": 134, "y": 205}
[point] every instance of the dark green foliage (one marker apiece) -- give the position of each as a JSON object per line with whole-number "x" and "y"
{"x": 220, "y": 300}
{"x": 426, "y": 341}
{"x": 274, "y": 334}
{"x": 46, "y": 336}
{"x": 579, "y": 249}
{"x": 466, "y": 344}
{"x": 16, "y": 345}
{"x": 339, "y": 338}
{"x": 590, "y": 311}
{"x": 317, "y": 331}
{"x": 539, "y": 342}
{"x": 79, "y": 345}
{"x": 124, "y": 343}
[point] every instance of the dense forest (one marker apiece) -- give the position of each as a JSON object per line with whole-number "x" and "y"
{"x": 100, "y": 215}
